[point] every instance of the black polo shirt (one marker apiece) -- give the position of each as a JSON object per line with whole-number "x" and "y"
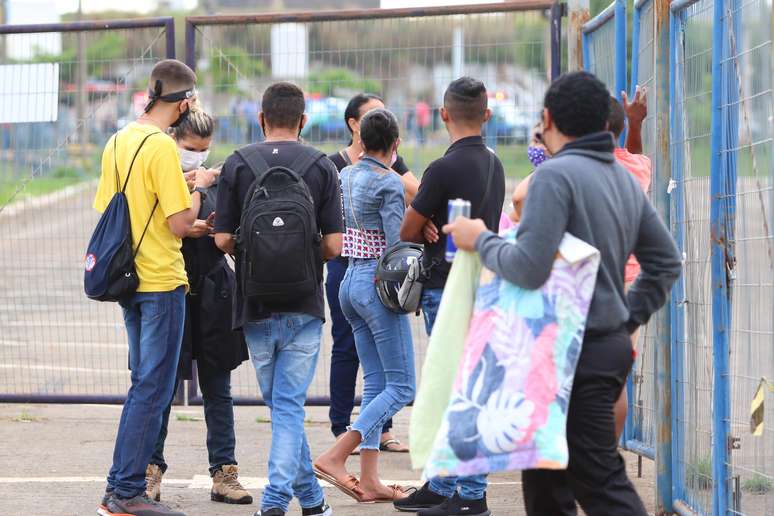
{"x": 460, "y": 174}
{"x": 323, "y": 182}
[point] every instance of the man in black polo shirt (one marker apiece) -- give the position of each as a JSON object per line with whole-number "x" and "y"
{"x": 469, "y": 170}
{"x": 284, "y": 338}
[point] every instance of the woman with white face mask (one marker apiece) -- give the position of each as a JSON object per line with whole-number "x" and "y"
{"x": 207, "y": 337}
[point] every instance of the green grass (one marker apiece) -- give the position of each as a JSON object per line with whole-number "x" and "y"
{"x": 56, "y": 180}
{"x": 26, "y": 417}
{"x": 188, "y": 418}
{"x": 513, "y": 157}
{"x": 700, "y": 473}
{"x": 758, "y": 484}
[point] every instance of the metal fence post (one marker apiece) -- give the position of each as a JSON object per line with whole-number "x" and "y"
{"x": 719, "y": 279}
{"x": 662, "y": 39}
{"x": 170, "y": 37}
{"x": 578, "y": 15}
{"x": 620, "y": 53}
{"x": 557, "y": 12}
{"x": 190, "y": 44}
{"x": 676, "y": 303}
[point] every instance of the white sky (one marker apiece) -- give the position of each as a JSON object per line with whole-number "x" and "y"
{"x": 39, "y": 11}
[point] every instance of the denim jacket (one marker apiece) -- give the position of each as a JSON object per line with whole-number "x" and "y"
{"x": 375, "y": 194}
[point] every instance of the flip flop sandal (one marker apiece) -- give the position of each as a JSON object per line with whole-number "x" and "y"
{"x": 386, "y": 446}
{"x": 398, "y": 493}
{"x": 350, "y": 486}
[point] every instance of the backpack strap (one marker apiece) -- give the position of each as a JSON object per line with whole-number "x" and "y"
{"x": 126, "y": 182}
{"x": 150, "y": 217}
{"x": 489, "y": 179}
{"x": 254, "y": 161}
{"x": 304, "y": 161}
{"x": 131, "y": 165}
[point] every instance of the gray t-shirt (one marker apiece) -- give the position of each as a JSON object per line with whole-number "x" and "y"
{"x": 582, "y": 190}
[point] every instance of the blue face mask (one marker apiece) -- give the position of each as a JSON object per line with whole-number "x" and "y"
{"x": 536, "y": 155}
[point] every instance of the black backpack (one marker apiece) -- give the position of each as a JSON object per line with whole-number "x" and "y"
{"x": 278, "y": 242}
{"x": 109, "y": 271}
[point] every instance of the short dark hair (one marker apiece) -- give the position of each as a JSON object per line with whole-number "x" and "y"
{"x": 283, "y": 105}
{"x": 354, "y": 105}
{"x": 579, "y": 104}
{"x": 378, "y": 130}
{"x": 174, "y": 75}
{"x": 465, "y": 100}
{"x": 616, "y": 121}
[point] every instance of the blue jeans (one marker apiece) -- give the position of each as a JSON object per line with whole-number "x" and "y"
{"x": 218, "y": 416}
{"x": 385, "y": 349}
{"x": 284, "y": 349}
{"x": 344, "y": 360}
{"x": 154, "y": 326}
{"x": 470, "y": 488}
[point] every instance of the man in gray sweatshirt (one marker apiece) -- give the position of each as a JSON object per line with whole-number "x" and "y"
{"x": 585, "y": 192}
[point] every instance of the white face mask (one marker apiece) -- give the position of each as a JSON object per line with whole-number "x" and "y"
{"x": 191, "y": 160}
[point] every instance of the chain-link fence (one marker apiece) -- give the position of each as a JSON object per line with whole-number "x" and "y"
{"x": 407, "y": 56}
{"x": 604, "y": 46}
{"x": 747, "y": 156}
{"x": 64, "y": 89}
{"x": 693, "y": 341}
{"x": 641, "y": 425}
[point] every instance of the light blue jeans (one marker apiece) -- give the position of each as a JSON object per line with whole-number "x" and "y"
{"x": 385, "y": 348}
{"x": 473, "y": 487}
{"x": 284, "y": 349}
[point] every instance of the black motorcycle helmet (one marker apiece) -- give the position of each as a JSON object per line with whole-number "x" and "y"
{"x": 392, "y": 269}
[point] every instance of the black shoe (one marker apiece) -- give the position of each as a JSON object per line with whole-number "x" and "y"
{"x": 140, "y": 505}
{"x": 270, "y": 512}
{"x": 456, "y": 506}
{"x": 420, "y": 499}
{"x": 321, "y": 510}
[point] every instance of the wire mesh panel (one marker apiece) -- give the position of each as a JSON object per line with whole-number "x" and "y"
{"x": 63, "y": 92}
{"x": 406, "y": 59}
{"x": 642, "y": 402}
{"x": 747, "y": 112}
{"x": 693, "y": 364}
{"x": 600, "y": 49}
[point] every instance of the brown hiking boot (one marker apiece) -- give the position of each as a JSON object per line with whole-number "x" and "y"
{"x": 153, "y": 476}
{"x": 226, "y": 487}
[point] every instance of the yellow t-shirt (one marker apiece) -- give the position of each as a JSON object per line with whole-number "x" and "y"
{"x": 156, "y": 173}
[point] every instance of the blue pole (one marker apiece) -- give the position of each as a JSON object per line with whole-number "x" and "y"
{"x": 620, "y": 53}
{"x": 632, "y": 428}
{"x": 677, "y": 300}
{"x": 719, "y": 281}
{"x": 636, "y": 47}
{"x": 586, "y": 52}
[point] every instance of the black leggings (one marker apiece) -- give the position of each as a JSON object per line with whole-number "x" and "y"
{"x": 596, "y": 474}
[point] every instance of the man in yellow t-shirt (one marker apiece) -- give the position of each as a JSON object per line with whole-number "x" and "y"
{"x": 162, "y": 211}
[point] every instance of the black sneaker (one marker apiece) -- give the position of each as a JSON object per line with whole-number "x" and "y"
{"x": 321, "y": 510}
{"x": 456, "y": 506}
{"x": 140, "y": 505}
{"x": 270, "y": 512}
{"x": 420, "y": 499}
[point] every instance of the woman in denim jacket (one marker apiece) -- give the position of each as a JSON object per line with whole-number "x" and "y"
{"x": 373, "y": 211}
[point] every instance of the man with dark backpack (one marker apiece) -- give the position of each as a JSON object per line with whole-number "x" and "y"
{"x": 141, "y": 172}
{"x": 279, "y": 213}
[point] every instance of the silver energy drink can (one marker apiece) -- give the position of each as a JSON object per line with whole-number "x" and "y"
{"x": 457, "y": 208}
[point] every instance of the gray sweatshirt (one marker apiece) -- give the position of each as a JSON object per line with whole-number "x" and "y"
{"x": 584, "y": 191}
